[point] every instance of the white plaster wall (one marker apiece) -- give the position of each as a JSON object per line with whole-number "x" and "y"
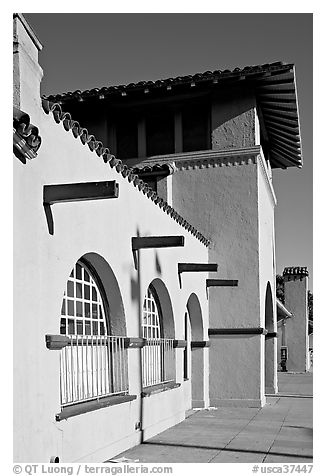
{"x": 222, "y": 202}
{"x": 27, "y": 71}
{"x": 267, "y": 272}
{"x": 235, "y": 371}
{"x": 266, "y": 204}
{"x": 42, "y": 264}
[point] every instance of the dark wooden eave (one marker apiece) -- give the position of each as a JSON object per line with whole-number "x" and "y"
{"x": 274, "y": 85}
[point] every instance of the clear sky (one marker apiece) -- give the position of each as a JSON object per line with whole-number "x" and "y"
{"x": 83, "y": 51}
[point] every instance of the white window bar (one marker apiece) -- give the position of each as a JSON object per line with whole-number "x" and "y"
{"x": 93, "y": 364}
{"x": 158, "y": 355}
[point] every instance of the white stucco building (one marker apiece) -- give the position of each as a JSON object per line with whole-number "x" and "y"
{"x": 144, "y": 260}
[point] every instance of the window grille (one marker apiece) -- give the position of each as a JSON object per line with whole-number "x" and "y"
{"x": 93, "y": 364}
{"x": 158, "y": 358}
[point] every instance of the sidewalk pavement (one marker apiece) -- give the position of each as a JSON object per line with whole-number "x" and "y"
{"x": 280, "y": 432}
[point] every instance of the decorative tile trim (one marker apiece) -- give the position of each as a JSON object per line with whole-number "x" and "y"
{"x": 296, "y": 271}
{"x": 26, "y": 136}
{"x": 70, "y": 125}
{"x": 205, "y": 158}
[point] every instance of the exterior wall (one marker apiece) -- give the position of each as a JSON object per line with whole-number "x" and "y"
{"x": 27, "y": 73}
{"x": 234, "y": 122}
{"x": 267, "y": 271}
{"x": 222, "y": 202}
{"x": 42, "y": 264}
{"x": 295, "y": 294}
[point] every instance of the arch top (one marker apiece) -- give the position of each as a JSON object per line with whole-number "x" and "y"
{"x": 163, "y": 297}
{"x": 109, "y": 289}
{"x": 269, "y": 308}
{"x": 196, "y": 317}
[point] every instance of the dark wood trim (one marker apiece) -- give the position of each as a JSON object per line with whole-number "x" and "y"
{"x": 221, "y": 282}
{"x": 153, "y": 174}
{"x": 56, "y": 342}
{"x": 197, "y": 267}
{"x": 197, "y": 344}
{"x": 237, "y": 331}
{"x": 134, "y": 342}
{"x": 161, "y": 387}
{"x": 177, "y": 343}
{"x": 85, "y": 407}
{"x": 76, "y": 192}
{"x": 270, "y": 335}
{"x": 141, "y": 242}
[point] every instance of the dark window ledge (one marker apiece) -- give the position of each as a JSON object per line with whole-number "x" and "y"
{"x": 85, "y": 407}
{"x": 161, "y": 387}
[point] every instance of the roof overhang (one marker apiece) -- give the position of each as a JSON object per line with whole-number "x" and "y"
{"x": 275, "y": 90}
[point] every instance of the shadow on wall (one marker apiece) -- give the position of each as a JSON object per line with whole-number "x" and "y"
{"x": 111, "y": 291}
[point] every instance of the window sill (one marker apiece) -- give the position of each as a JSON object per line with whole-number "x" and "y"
{"x": 85, "y": 407}
{"x": 161, "y": 387}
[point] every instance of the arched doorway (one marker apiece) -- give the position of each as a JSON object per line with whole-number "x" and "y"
{"x": 193, "y": 354}
{"x": 270, "y": 344}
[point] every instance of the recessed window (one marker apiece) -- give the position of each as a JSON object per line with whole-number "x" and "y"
{"x": 82, "y": 300}
{"x": 158, "y": 356}
{"x": 94, "y": 363}
{"x": 127, "y": 138}
{"x": 195, "y": 128}
{"x": 160, "y": 133}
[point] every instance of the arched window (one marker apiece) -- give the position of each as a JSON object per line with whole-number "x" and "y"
{"x": 158, "y": 357}
{"x": 94, "y": 363}
{"x": 83, "y": 311}
{"x": 151, "y": 315}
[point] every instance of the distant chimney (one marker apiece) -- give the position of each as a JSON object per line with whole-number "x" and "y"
{"x": 27, "y": 71}
{"x": 296, "y": 301}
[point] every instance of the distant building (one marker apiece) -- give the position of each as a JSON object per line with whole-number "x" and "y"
{"x": 144, "y": 252}
{"x": 292, "y": 320}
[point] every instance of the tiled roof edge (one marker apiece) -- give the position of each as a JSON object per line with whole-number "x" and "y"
{"x": 296, "y": 271}
{"x": 27, "y": 131}
{"x": 70, "y": 125}
{"x": 197, "y": 77}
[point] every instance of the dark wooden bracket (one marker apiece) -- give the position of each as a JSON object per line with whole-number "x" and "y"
{"x": 237, "y": 331}
{"x": 177, "y": 344}
{"x": 200, "y": 344}
{"x": 56, "y": 342}
{"x": 221, "y": 282}
{"x": 76, "y": 192}
{"x": 195, "y": 268}
{"x": 142, "y": 242}
{"x": 134, "y": 342}
{"x": 270, "y": 335}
